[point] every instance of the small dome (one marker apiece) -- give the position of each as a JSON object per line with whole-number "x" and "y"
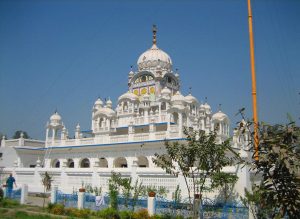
{"x": 131, "y": 74}
{"x": 191, "y": 99}
{"x": 55, "y": 117}
{"x": 109, "y": 103}
{"x": 207, "y": 107}
{"x": 98, "y": 102}
{"x": 220, "y": 116}
{"x": 178, "y": 98}
{"x": 154, "y": 58}
{"x": 128, "y": 95}
{"x": 202, "y": 107}
{"x": 105, "y": 111}
{"x": 166, "y": 91}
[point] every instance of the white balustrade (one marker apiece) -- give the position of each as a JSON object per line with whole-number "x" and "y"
{"x": 141, "y": 137}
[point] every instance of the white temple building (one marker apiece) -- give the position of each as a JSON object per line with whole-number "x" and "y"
{"x": 123, "y": 138}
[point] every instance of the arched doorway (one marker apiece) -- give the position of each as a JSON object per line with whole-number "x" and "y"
{"x": 103, "y": 162}
{"x": 120, "y": 162}
{"x": 55, "y": 163}
{"x": 70, "y": 163}
{"x": 143, "y": 161}
{"x": 85, "y": 163}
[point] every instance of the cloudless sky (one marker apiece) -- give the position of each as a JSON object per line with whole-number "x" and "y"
{"x": 64, "y": 54}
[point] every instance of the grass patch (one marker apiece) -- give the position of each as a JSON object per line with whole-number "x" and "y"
{"x": 12, "y": 213}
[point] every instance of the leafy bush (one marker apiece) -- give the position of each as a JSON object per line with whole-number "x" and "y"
{"x": 126, "y": 214}
{"x": 108, "y": 213}
{"x": 74, "y": 212}
{"x": 141, "y": 214}
{"x": 166, "y": 216}
{"x": 25, "y": 215}
{"x": 58, "y": 209}
{"x": 9, "y": 203}
{"x": 1, "y": 194}
{"x": 50, "y": 206}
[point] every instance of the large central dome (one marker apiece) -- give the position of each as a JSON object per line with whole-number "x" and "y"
{"x": 154, "y": 58}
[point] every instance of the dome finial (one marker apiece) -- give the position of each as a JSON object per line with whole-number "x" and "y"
{"x": 190, "y": 90}
{"x": 154, "y": 30}
{"x": 220, "y": 106}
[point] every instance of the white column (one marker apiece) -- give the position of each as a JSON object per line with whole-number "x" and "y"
{"x": 133, "y": 170}
{"x": 159, "y": 112}
{"x": 168, "y": 125}
{"x": 53, "y": 194}
{"x": 5, "y": 192}
{"x": 130, "y": 131}
{"x": 110, "y": 162}
{"x": 80, "y": 202}
{"x": 63, "y": 163}
{"x": 146, "y": 115}
{"x": 151, "y": 206}
{"x": 47, "y": 136}
{"x": 53, "y": 136}
{"x": 152, "y": 130}
{"x": 180, "y": 124}
{"x": 76, "y": 163}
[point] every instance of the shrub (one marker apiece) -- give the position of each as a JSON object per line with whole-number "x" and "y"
{"x": 1, "y": 194}
{"x": 108, "y": 213}
{"x": 141, "y": 214}
{"x": 74, "y": 212}
{"x": 58, "y": 209}
{"x": 83, "y": 213}
{"x": 166, "y": 216}
{"x": 9, "y": 203}
{"x": 126, "y": 214}
{"x": 50, "y": 206}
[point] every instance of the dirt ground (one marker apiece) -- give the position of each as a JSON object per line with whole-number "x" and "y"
{"x": 37, "y": 201}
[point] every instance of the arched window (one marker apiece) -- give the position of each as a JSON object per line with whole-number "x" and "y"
{"x": 184, "y": 119}
{"x": 85, "y": 163}
{"x": 143, "y": 161}
{"x": 120, "y": 162}
{"x": 101, "y": 122}
{"x": 70, "y": 163}
{"x": 163, "y": 106}
{"x": 103, "y": 163}
{"x": 174, "y": 118}
{"x": 55, "y": 163}
{"x": 125, "y": 107}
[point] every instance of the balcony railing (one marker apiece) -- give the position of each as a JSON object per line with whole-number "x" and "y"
{"x": 115, "y": 139}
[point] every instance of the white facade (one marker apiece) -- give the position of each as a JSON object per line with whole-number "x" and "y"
{"x": 124, "y": 139}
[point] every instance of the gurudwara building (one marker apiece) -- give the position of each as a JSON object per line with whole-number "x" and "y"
{"x": 123, "y": 138}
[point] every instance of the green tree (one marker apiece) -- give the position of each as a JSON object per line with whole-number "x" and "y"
{"x": 224, "y": 183}
{"x": 277, "y": 188}
{"x": 198, "y": 159}
{"x": 46, "y": 181}
{"x": 18, "y": 134}
{"x": 117, "y": 183}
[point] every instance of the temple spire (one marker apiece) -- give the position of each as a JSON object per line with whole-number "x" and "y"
{"x": 154, "y": 30}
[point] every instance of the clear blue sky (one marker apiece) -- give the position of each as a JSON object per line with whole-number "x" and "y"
{"x": 64, "y": 54}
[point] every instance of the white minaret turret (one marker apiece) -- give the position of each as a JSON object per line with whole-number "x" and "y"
{"x": 55, "y": 126}
{"x": 77, "y": 131}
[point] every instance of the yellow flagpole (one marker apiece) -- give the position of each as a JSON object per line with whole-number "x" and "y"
{"x": 254, "y": 102}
